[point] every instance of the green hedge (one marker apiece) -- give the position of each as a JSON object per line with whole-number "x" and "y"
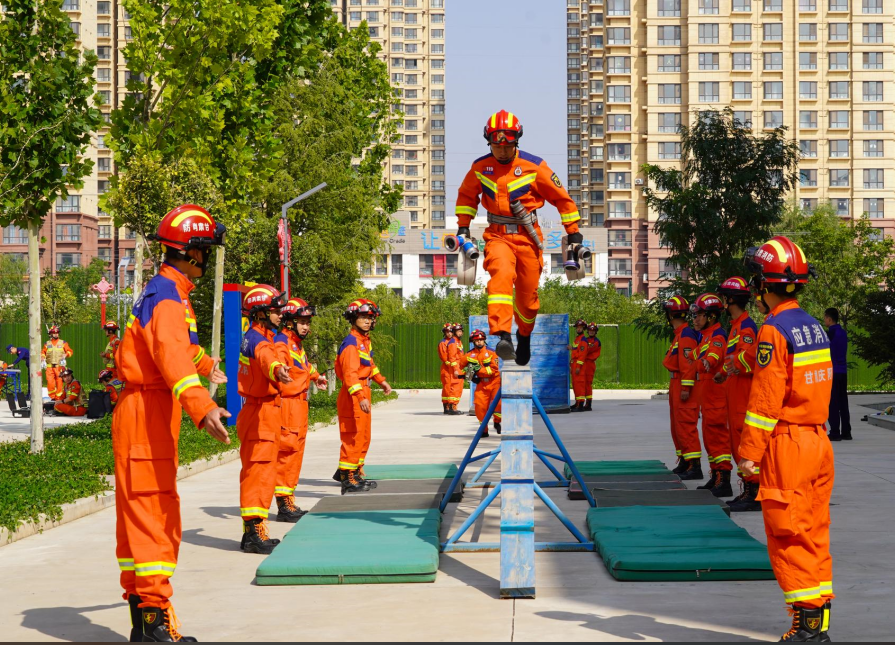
{"x": 77, "y": 458}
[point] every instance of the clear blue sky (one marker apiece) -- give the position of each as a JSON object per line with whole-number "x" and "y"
{"x": 527, "y": 76}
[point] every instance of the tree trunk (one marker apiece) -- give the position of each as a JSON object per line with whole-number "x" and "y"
{"x": 35, "y": 384}
{"x": 218, "y": 309}
{"x": 138, "y": 267}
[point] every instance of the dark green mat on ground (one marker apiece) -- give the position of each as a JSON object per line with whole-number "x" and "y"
{"x": 629, "y": 467}
{"x": 347, "y": 503}
{"x": 410, "y": 471}
{"x": 602, "y": 479}
{"x": 409, "y": 486}
{"x": 617, "y": 498}
{"x": 675, "y": 543}
{"x": 575, "y": 491}
{"x": 361, "y": 547}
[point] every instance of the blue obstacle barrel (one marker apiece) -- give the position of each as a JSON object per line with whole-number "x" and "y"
{"x": 549, "y": 359}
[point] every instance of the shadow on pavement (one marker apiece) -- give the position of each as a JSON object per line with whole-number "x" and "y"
{"x": 222, "y": 512}
{"x": 636, "y": 627}
{"x": 197, "y": 538}
{"x": 467, "y": 575}
{"x": 71, "y": 624}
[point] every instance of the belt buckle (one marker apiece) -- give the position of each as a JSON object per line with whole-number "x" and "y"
{"x": 511, "y": 228}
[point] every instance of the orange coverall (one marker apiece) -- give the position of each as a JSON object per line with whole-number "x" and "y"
{"x": 259, "y": 422}
{"x": 678, "y": 358}
{"x": 71, "y": 404}
{"x": 784, "y": 432}
{"x": 53, "y": 352}
{"x": 710, "y": 397}
{"x": 294, "y": 407}
{"x": 447, "y": 370}
{"x": 355, "y": 367}
{"x": 160, "y": 358}
{"x": 485, "y": 364}
{"x": 739, "y": 365}
{"x": 109, "y": 356}
{"x": 114, "y": 388}
{"x": 594, "y": 348}
{"x": 455, "y": 356}
{"x": 513, "y": 259}
{"x": 579, "y": 358}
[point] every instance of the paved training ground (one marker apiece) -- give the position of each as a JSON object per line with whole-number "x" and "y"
{"x": 63, "y": 585}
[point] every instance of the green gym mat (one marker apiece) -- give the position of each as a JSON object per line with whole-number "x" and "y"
{"x": 366, "y": 547}
{"x": 410, "y": 471}
{"x": 436, "y": 487}
{"x": 575, "y": 491}
{"x": 616, "y": 498}
{"x": 601, "y": 479}
{"x": 347, "y": 503}
{"x": 630, "y": 467}
{"x": 676, "y": 543}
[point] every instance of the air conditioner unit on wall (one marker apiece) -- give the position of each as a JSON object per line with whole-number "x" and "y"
{"x": 638, "y": 182}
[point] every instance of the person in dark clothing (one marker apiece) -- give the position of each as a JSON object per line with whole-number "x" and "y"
{"x": 21, "y": 354}
{"x": 839, "y": 420}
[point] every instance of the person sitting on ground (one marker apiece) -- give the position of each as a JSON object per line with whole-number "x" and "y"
{"x": 71, "y": 403}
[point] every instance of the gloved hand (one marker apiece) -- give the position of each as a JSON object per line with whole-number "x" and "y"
{"x": 464, "y": 231}
{"x": 576, "y": 238}
{"x": 475, "y": 378}
{"x": 62, "y": 362}
{"x": 43, "y": 365}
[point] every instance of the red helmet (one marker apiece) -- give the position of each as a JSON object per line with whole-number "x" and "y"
{"x": 503, "y": 128}
{"x": 67, "y": 372}
{"x": 593, "y": 327}
{"x": 103, "y": 375}
{"x": 457, "y": 327}
{"x": 707, "y": 303}
{"x": 111, "y": 326}
{"x": 779, "y": 260}
{"x": 580, "y": 323}
{"x": 297, "y": 308}
{"x": 187, "y": 227}
{"x": 478, "y": 334}
{"x": 676, "y": 305}
{"x": 54, "y": 329}
{"x": 262, "y": 297}
{"x": 447, "y": 327}
{"x": 361, "y": 306}
{"x": 735, "y": 286}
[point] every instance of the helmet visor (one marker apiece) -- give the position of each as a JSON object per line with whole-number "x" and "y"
{"x": 503, "y": 137}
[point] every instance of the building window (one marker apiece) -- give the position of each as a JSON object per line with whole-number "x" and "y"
{"x": 874, "y": 208}
{"x": 838, "y": 60}
{"x": 71, "y": 5}
{"x": 773, "y": 5}
{"x": 808, "y": 204}
{"x": 377, "y": 267}
{"x": 872, "y": 32}
{"x": 620, "y": 210}
{"x": 71, "y": 204}
{"x": 105, "y": 231}
{"x": 873, "y": 60}
{"x": 807, "y": 90}
{"x": 621, "y": 35}
{"x": 104, "y": 53}
{"x": 669, "y": 8}
{"x": 743, "y": 119}
{"x": 103, "y": 8}
{"x": 618, "y": 94}
{"x": 709, "y": 61}
{"x": 619, "y": 122}
{"x": 620, "y": 238}
{"x": 669, "y": 150}
{"x": 619, "y": 64}
{"x": 807, "y": 60}
{"x": 873, "y": 91}
{"x": 742, "y": 32}
{"x": 773, "y": 61}
{"x": 873, "y": 178}
{"x": 873, "y": 120}
{"x": 709, "y": 92}
{"x": 619, "y": 152}
{"x": 103, "y": 74}
{"x": 807, "y": 5}
{"x": 839, "y": 119}
{"x": 808, "y": 178}
{"x": 838, "y": 5}
{"x": 620, "y": 180}
{"x": 872, "y": 6}
{"x": 620, "y": 267}
{"x": 873, "y": 148}
{"x": 807, "y": 32}
{"x": 742, "y": 6}
{"x": 12, "y": 234}
{"x": 808, "y": 148}
{"x": 67, "y": 260}
{"x": 669, "y": 63}
{"x": 708, "y": 7}
{"x": 669, "y": 93}
{"x": 622, "y": 7}
{"x": 104, "y": 30}
{"x": 104, "y": 253}
{"x": 708, "y": 33}
{"x": 838, "y": 31}
{"x": 773, "y": 90}
{"x": 597, "y": 197}
{"x": 438, "y": 266}
{"x": 839, "y": 149}
{"x": 669, "y": 122}
{"x": 742, "y": 90}
{"x": 839, "y": 178}
{"x": 842, "y": 206}
{"x": 742, "y": 62}
{"x": 374, "y": 32}
{"x": 773, "y": 32}
{"x": 668, "y": 36}
{"x": 839, "y": 89}
{"x": 773, "y": 119}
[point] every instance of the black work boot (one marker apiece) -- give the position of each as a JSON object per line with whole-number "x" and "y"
{"x": 446, "y": 408}
{"x": 681, "y": 467}
{"x": 504, "y": 347}
{"x": 747, "y": 502}
{"x": 722, "y": 485}
{"x": 255, "y": 538}
{"x": 136, "y": 619}
{"x": 287, "y": 511}
{"x": 710, "y": 482}
{"x": 337, "y": 476}
{"x": 350, "y": 482}
{"x": 806, "y": 626}
{"x": 523, "y": 349}
{"x": 825, "y": 624}
{"x": 588, "y": 406}
{"x": 497, "y": 427}
{"x": 578, "y": 407}
{"x": 362, "y": 478}
{"x": 455, "y": 411}
{"x": 160, "y": 626}
{"x": 694, "y": 470}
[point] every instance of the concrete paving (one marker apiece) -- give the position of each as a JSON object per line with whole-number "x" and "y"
{"x": 63, "y": 584}
{"x": 19, "y": 428}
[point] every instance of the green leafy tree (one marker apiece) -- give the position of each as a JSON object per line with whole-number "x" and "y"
{"x": 48, "y": 112}
{"x": 871, "y": 333}
{"x": 727, "y": 196}
{"x": 13, "y": 296}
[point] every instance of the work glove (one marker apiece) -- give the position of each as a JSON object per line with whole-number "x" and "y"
{"x": 464, "y": 231}
{"x": 62, "y": 362}
{"x": 43, "y": 365}
{"x": 576, "y": 238}
{"x": 475, "y": 378}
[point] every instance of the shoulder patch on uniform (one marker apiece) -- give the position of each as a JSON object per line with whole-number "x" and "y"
{"x": 556, "y": 180}
{"x": 764, "y": 353}
{"x": 748, "y": 340}
{"x": 530, "y": 157}
{"x": 717, "y": 344}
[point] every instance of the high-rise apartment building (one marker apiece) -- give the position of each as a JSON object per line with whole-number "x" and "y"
{"x": 76, "y": 230}
{"x": 825, "y": 69}
{"x": 411, "y": 33}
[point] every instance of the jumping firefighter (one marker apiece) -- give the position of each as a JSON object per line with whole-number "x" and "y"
{"x": 577, "y": 366}
{"x": 784, "y": 432}
{"x": 108, "y": 354}
{"x": 262, "y": 370}
{"x": 594, "y": 349}
{"x": 739, "y": 366}
{"x": 297, "y": 315}
{"x": 111, "y": 385}
{"x": 678, "y": 358}
{"x": 52, "y": 360}
{"x": 486, "y": 376}
{"x": 711, "y": 396}
{"x": 512, "y": 186}
{"x": 458, "y": 378}
{"x": 355, "y": 367}
{"x": 160, "y": 360}
{"x": 72, "y": 403}
{"x": 448, "y": 366}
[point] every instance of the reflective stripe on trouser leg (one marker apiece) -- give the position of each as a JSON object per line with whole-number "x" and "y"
{"x": 365, "y": 427}
{"x": 352, "y": 441}
{"x": 674, "y": 399}
{"x": 529, "y": 265}
{"x": 716, "y": 437}
{"x": 500, "y": 263}
{"x": 589, "y": 370}
{"x": 258, "y": 428}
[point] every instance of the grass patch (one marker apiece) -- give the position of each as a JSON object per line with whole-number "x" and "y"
{"x": 77, "y": 458}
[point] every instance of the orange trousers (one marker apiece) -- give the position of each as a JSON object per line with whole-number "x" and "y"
{"x": 590, "y": 368}
{"x": 70, "y": 410}
{"x": 446, "y": 378}
{"x": 55, "y": 385}
{"x": 354, "y": 428}
{"x": 293, "y": 433}
{"x": 737, "y": 399}
{"x": 456, "y": 390}
{"x": 715, "y": 434}
{"x": 512, "y": 260}
{"x": 579, "y": 382}
{"x": 259, "y": 428}
{"x": 796, "y": 476}
{"x": 674, "y": 402}
{"x": 685, "y": 425}
{"x": 145, "y": 432}
{"x": 485, "y": 391}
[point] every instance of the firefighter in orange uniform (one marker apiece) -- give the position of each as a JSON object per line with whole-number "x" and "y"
{"x": 739, "y": 365}
{"x": 111, "y": 385}
{"x": 456, "y": 354}
{"x": 447, "y": 367}
{"x": 160, "y": 359}
{"x": 108, "y": 355}
{"x": 259, "y": 423}
{"x": 53, "y": 356}
{"x": 486, "y": 376}
{"x": 680, "y": 355}
{"x": 355, "y": 367}
{"x": 784, "y": 432}
{"x": 594, "y": 348}
{"x": 512, "y": 185}
{"x": 71, "y": 404}
{"x": 297, "y": 315}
